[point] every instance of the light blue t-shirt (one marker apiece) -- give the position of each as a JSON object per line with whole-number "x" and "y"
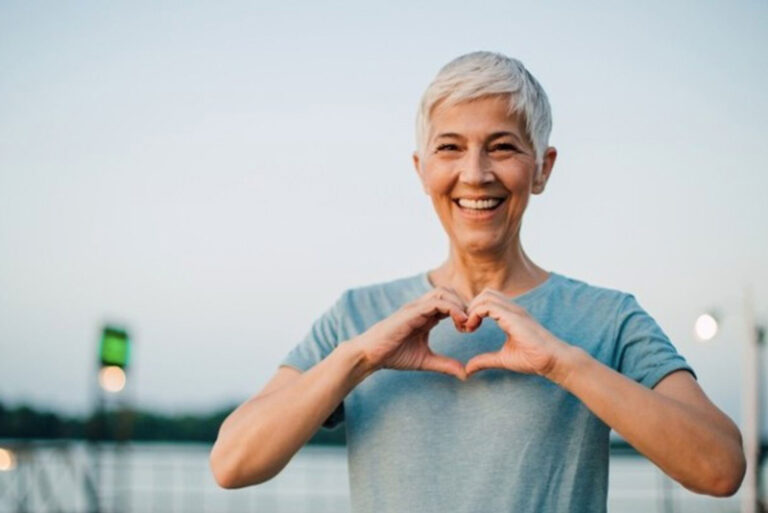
{"x": 502, "y": 441}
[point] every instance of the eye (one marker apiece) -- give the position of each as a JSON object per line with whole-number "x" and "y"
{"x": 447, "y": 147}
{"x": 504, "y": 147}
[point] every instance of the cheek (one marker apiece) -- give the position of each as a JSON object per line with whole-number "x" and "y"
{"x": 438, "y": 182}
{"x": 517, "y": 179}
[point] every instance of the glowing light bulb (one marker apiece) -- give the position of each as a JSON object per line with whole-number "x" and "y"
{"x": 112, "y": 378}
{"x": 706, "y": 327}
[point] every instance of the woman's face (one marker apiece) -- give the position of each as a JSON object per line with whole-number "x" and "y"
{"x": 475, "y": 150}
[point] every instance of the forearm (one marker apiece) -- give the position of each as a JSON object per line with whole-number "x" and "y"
{"x": 261, "y": 436}
{"x": 682, "y": 441}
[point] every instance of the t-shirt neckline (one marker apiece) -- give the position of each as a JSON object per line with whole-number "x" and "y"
{"x": 538, "y": 289}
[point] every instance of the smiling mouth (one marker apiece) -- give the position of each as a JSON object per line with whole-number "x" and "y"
{"x": 481, "y": 209}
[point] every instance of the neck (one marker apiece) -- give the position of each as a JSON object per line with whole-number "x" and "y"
{"x": 510, "y": 272}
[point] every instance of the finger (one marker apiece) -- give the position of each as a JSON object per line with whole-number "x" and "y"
{"x": 483, "y": 361}
{"x": 460, "y": 315}
{"x": 488, "y": 307}
{"x": 442, "y": 308}
{"x": 439, "y": 363}
{"x": 450, "y": 294}
{"x": 431, "y": 323}
{"x": 484, "y": 294}
{"x": 477, "y": 300}
{"x": 453, "y": 294}
{"x": 488, "y": 293}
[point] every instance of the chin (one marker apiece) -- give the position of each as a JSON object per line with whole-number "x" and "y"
{"x": 480, "y": 242}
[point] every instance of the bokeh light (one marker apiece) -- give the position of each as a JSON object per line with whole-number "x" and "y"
{"x": 706, "y": 327}
{"x": 7, "y": 460}
{"x": 112, "y": 378}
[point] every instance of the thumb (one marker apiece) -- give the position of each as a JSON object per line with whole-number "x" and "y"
{"x": 483, "y": 361}
{"x": 440, "y": 363}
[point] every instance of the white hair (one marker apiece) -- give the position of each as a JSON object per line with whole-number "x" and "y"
{"x": 482, "y": 73}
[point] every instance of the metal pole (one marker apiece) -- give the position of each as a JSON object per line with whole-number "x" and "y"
{"x": 667, "y": 500}
{"x": 750, "y": 407}
{"x": 760, "y": 343}
{"x": 98, "y": 475}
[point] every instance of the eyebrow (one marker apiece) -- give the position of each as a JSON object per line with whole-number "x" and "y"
{"x": 491, "y": 137}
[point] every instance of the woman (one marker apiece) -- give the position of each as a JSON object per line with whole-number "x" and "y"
{"x": 511, "y": 414}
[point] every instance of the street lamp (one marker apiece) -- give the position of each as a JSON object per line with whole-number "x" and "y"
{"x": 114, "y": 352}
{"x": 112, "y": 378}
{"x": 705, "y": 328}
{"x": 115, "y": 347}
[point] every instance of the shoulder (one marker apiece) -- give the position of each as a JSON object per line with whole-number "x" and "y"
{"x": 577, "y": 293}
{"x": 602, "y": 318}
{"x": 382, "y": 296}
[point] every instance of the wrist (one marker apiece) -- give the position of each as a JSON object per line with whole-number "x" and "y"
{"x": 568, "y": 363}
{"x": 361, "y": 364}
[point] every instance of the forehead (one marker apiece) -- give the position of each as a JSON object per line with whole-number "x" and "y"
{"x": 475, "y": 118}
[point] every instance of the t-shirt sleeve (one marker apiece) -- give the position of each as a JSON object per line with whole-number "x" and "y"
{"x": 321, "y": 339}
{"x": 643, "y": 351}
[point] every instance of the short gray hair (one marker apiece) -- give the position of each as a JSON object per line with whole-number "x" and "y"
{"x": 482, "y": 73}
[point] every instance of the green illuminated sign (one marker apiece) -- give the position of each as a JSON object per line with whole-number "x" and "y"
{"x": 115, "y": 347}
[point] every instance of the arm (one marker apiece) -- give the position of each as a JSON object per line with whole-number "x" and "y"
{"x": 259, "y": 438}
{"x": 675, "y": 425}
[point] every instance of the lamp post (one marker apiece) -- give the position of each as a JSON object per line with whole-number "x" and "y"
{"x": 706, "y": 327}
{"x": 752, "y": 500}
{"x": 112, "y": 365}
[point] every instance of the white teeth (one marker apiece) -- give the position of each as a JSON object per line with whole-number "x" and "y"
{"x": 479, "y": 204}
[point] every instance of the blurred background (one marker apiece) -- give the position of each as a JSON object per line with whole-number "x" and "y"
{"x": 186, "y": 186}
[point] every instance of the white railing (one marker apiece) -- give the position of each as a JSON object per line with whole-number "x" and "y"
{"x": 72, "y": 477}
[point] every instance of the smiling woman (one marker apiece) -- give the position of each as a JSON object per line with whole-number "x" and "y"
{"x": 446, "y": 412}
{"x": 478, "y": 150}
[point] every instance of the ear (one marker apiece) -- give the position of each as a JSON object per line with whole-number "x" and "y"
{"x": 548, "y": 162}
{"x": 417, "y": 167}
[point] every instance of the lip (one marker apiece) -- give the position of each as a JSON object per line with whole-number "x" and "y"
{"x": 476, "y": 198}
{"x": 479, "y": 215}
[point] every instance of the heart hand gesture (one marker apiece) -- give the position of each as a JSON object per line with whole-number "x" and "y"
{"x": 401, "y": 341}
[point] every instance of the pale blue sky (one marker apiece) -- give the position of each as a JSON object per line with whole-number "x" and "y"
{"x": 215, "y": 174}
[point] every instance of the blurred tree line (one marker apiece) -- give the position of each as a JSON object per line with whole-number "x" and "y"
{"x": 24, "y": 421}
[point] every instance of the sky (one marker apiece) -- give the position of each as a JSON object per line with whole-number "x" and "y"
{"x": 214, "y": 175}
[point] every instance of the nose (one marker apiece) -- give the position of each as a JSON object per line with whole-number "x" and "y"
{"x": 476, "y": 168}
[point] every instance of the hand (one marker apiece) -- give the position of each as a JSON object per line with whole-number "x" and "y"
{"x": 401, "y": 341}
{"x": 529, "y": 347}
